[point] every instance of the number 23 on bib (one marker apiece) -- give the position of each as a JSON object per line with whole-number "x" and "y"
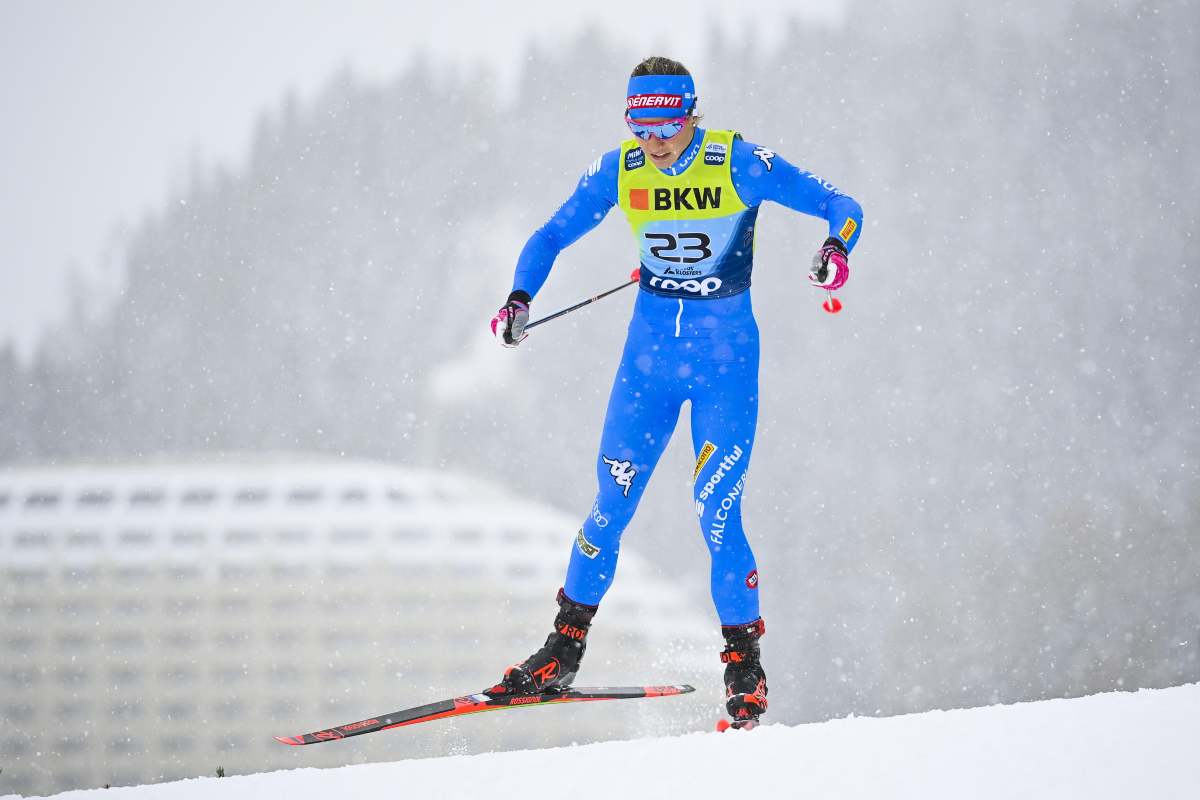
{"x": 695, "y": 234}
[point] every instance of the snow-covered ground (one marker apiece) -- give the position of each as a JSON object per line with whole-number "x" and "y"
{"x": 1129, "y": 745}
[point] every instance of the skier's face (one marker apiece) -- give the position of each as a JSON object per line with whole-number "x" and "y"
{"x": 665, "y": 152}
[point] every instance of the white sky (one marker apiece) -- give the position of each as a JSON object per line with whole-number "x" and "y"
{"x": 105, "y": 104}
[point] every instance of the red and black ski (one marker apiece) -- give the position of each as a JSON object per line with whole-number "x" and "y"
{"x": 475, "y": 703}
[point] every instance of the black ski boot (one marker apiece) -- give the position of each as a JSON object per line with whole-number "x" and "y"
{"x": 745, "y": 681}
{"x": 554, "y": 666}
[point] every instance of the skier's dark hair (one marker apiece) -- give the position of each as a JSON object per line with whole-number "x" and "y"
{"x": 661, "y": 65}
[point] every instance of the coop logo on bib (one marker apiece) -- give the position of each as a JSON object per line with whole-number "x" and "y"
{"x": 703, "y": 288}
{"x": 715, "y": 153}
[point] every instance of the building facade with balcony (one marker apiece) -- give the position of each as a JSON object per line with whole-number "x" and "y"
{"x": 160, "y": 620}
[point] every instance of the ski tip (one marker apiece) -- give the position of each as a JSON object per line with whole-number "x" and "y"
{"x": 292, "y": 740}
{"x": 722, "y": 725}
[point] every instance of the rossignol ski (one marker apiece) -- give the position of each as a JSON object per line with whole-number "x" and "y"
{"x": 475, "y": 703}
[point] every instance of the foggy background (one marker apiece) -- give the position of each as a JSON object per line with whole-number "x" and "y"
{"x": 979, "y": 483}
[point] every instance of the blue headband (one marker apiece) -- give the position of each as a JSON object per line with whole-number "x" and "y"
{"x": 660, "y": 96}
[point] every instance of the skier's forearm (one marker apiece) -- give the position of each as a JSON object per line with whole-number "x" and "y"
{"x": 811, "y": 194}
{"x": 587, "y": 206}
{"x": 535, "y": 261}
{"x": 576, "y": 217}
{"x": 845, "y": 217}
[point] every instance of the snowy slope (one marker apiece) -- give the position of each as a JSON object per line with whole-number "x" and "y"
{"x": 1131, "y": 745}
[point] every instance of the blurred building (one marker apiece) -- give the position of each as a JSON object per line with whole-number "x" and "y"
{"x": 158, "y": 621}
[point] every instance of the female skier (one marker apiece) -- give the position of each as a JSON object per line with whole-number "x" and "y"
{"x": 691, "y": 196}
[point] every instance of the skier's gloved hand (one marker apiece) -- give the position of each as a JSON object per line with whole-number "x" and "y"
{"x": 830, "y": 268}
{"x": 509, "y": 323}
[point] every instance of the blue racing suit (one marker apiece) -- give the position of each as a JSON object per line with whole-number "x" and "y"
{"x": 692, "y": 337}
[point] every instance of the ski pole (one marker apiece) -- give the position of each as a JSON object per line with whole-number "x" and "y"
{"x": 832, "y": 305}
{"x": 633, "y": 278}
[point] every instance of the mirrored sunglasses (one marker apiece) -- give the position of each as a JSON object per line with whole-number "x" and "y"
{"x": 665, "y": 129}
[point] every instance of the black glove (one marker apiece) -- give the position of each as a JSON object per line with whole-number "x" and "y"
{"x": 509, "y": 323}
{"x": 830, "y": 268}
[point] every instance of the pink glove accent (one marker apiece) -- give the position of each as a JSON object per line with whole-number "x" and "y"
{"x": 499, "y": 320}
{"x": 509, "y": 323}
{"x": 830, "y": 269}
